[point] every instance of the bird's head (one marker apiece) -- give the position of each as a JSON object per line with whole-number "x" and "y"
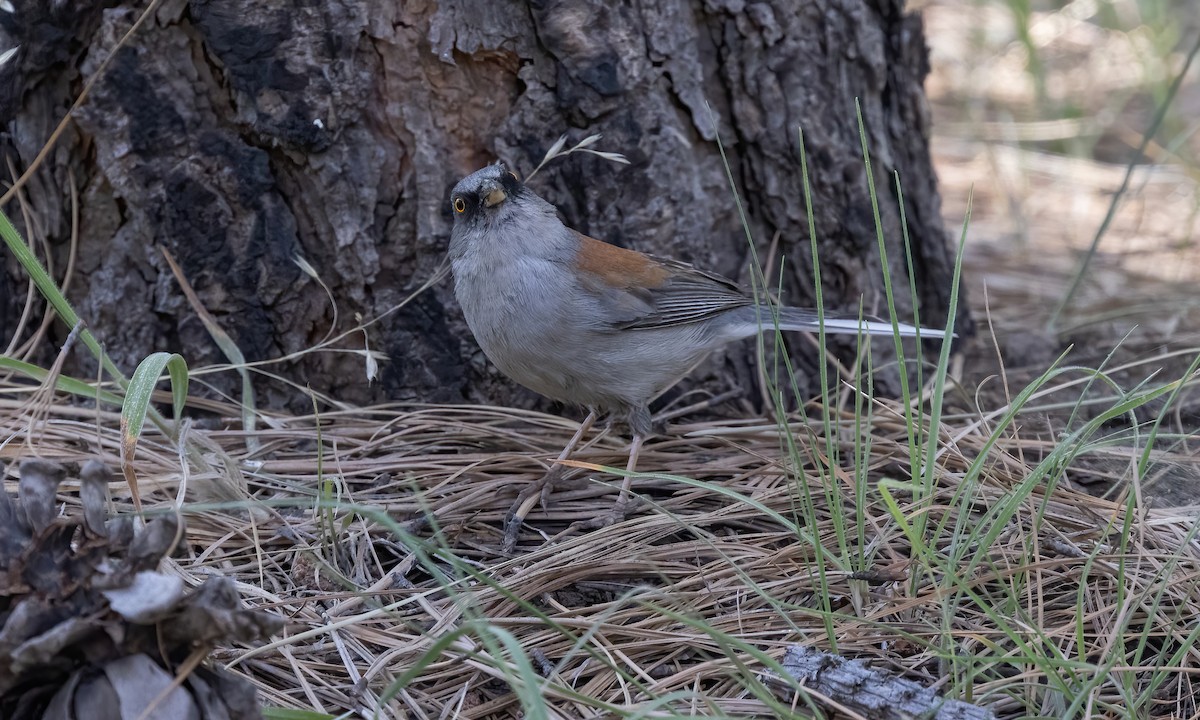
{"x": 498, "y": 217}
{"x": 484, "y": 197}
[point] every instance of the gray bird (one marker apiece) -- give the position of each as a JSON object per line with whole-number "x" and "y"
{"x": 585, "y": 322}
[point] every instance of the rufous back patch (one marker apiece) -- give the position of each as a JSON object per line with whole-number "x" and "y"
{"x": 617, "y": 266}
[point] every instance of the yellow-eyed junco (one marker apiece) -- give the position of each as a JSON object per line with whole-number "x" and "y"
{"x": 585, "y": 322}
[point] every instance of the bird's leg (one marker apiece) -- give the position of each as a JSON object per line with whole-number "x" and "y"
{"x": 555, "y": 473}
{"x": 625, "y": 499}
{"x": 542, "y": 488}
{"x": 640, "y": 425}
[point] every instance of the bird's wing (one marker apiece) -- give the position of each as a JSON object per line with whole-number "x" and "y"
{"x": 642, "y": 291}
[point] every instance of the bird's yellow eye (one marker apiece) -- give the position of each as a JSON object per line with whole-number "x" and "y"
{"x": 459, "y": 205}
{"x": 513, "y": 175}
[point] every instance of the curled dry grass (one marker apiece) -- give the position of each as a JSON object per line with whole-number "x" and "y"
{"x": 376, "y": 535}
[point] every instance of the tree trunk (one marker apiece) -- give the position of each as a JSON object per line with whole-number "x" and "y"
{"x": 236, "y": 135}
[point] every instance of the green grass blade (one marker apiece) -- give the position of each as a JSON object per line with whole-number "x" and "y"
{"x": 141, "y": 389}
{"x": 49, "y": 290}
{"x": 69, "y": 385}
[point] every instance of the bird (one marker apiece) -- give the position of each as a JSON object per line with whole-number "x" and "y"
{"x": 592, "y": 324}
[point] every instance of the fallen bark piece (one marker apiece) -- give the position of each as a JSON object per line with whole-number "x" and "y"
{"x": 874, "y": 693}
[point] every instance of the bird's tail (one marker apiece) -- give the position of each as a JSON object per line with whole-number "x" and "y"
{"x": 805, "y": 320}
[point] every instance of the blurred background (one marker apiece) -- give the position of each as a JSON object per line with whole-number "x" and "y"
{"x": 1040, "y": 108}
{"x": 1071, "y": 130}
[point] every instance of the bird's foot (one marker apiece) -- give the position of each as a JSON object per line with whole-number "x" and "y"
{"x": 626, "y": 504}
{"x": 538, "y": 492}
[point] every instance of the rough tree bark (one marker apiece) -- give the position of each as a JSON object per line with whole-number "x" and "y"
{"x": 237, "y": 134}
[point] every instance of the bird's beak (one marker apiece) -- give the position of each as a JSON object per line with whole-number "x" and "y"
{"x": 493, "y": 194}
